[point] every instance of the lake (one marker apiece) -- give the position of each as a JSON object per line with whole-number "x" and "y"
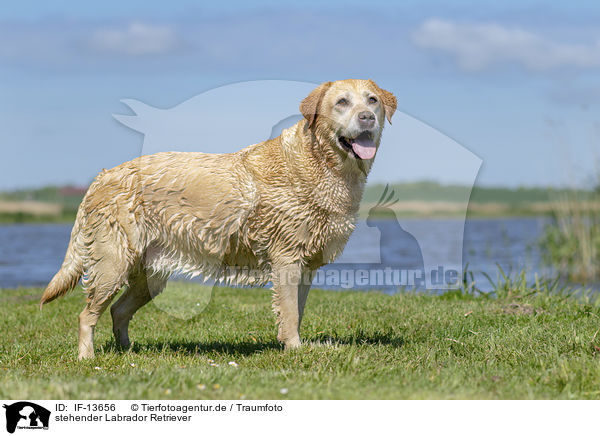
{"x": 32, "y": 253}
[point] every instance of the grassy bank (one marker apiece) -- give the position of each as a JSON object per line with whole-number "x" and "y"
{"x": 358, "y": 346}
{"x": 67, "y": 217}
{"x": 571, "y": 244}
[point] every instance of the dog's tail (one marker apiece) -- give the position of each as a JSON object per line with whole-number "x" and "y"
{"x": 71, "y": 270}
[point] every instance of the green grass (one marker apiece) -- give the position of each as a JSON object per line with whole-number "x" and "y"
{"x": 519, "y": 344}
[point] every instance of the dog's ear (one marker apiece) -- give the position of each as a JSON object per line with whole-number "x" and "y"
{"x": 387, "y": 98}
{"x": 310, "y": 105}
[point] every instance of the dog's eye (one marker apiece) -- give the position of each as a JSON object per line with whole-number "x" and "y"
{"x": 342, "y": 102}
{"x": 372, "y": 100}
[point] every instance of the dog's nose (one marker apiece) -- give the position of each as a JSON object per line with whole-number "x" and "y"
{"x": 366, "y": 119}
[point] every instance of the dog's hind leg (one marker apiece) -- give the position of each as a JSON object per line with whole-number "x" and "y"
{"x": 303, "y": 289}
{"x": 140, "y": 291}
{"x": 105, "y": 282}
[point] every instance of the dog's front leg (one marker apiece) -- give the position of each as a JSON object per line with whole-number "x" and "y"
{"x": 290, "y": 289}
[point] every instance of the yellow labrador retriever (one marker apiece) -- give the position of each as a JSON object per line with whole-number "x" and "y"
{"x": 274, "y": 211}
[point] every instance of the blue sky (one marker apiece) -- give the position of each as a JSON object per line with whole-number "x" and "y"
{"x": 517, "y": 83}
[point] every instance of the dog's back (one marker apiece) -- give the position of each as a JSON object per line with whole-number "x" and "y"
{"x": 171, "y": 212}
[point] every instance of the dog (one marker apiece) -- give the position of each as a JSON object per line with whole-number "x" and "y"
{"x": 274, "y": 211}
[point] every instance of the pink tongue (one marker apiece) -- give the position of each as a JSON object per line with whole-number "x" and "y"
{"x": 364, "y": 146}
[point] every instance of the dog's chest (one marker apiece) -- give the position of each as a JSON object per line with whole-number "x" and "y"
{"x": 325, "y": 230}
{"x": 333, "y": 239}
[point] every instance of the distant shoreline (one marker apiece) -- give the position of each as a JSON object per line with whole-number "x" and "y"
{"x": 424, "y": 199}
{"x": 20, "y": 218}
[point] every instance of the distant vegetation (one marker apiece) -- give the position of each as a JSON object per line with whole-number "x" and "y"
{"x": 47, "y": 204}
{"x": 434, "y": 191}
{"x": 432, "y": 198}
{"x": 414, "y": 199}
{"x": 67, "y": 196}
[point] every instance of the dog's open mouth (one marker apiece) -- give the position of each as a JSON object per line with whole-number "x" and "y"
{"x": 362, "y": 147}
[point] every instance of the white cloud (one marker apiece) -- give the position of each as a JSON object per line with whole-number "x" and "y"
{"x": 479, "y": 46}
{"x": 135, "y": 39}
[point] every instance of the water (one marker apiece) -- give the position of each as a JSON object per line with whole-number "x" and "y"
{"x": 439, "y": 246}
{"x": 31, "y": 254}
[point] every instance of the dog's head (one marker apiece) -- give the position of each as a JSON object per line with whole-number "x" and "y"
{"x": 348, "y": 116}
